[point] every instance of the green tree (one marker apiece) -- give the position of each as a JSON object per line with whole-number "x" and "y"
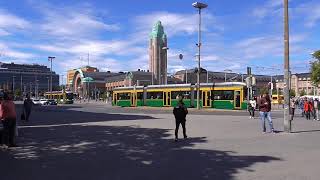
{"x": 292, "y": 93}
{"x": 311, "y": 92}
{"x": 263, "y": 90}
{"x": 315, "y": 68}
{"x": 302, "y": 93}
{"x": 17, "y": 93}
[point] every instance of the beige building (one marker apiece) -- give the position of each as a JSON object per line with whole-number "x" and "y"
{"x": 158, "y": 54}
{"x": 299, "y": 82}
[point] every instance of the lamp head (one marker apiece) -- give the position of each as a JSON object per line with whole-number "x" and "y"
{"x": 199, "y": 5}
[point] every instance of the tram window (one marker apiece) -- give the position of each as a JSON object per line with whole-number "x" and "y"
{"x": 124, "y": 96}
{"x": 195, "y": 94}
{"x": 184, "y": 94}
{"x": 155, "y": 95}
{"x": 223, "y": 95}
{"x": 140, "y": 95}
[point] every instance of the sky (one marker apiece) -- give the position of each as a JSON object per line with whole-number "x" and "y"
{"x": 115, "y": 34}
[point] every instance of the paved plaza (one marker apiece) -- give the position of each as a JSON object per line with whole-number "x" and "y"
{"x": 100, "y": 142}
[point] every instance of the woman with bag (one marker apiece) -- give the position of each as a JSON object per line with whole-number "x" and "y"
{"x": 27, "y": 106}
{"x": 8, "y": 118}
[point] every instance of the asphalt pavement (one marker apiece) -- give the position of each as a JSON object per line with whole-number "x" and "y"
{"x": 98, "y": 141}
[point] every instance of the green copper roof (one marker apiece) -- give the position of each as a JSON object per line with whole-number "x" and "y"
{"x": 157, "y": 31}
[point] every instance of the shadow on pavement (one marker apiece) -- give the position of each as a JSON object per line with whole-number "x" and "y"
{"x": 53, "y": 115}
{"x": 117, "y": 153}
{"x": 307, "y": 131}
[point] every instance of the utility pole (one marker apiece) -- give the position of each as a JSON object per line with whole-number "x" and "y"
{"x": 159, "y": 64}
{"x": 88, "y": 59}
{"x": 207, "y": 76}
{"x": 21, "y": 82}
{"x": 287, "y": 122}
{"x": 48, "y": 84}
{"x": 62, "y": 81}
{"x": 186, "y": 76}
{"x": 50, "y": 58}
{"x": 271, "y": 86}
{"x": 13, "y": 84}
{"x": 249, "y": 86}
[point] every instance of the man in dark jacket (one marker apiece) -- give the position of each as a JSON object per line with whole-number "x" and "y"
{"x": 180, "y": 112}
{"x": 27, "y": 106}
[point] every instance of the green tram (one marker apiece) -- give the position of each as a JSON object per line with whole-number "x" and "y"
{"x": 227, "y": 95}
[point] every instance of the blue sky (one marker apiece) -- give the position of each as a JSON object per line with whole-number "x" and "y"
{"x": 236, "y": 34}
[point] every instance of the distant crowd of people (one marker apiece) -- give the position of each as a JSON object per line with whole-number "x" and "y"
{"x": 309, "y": 108}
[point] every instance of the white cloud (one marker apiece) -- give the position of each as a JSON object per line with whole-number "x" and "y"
{"x": 68, "y": 23}
{"x": 176, "y": 24}
{"x": 9, "y": 53}
{"x": 270, "y": 7}
{"x": 259, "y": 47}
{"x": 210, "y": 58}
{"x": 96, "y": 47}
{"x": 10, "y": 22}
{"x": 310, "y": 13}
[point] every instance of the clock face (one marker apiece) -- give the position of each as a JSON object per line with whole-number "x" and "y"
{"x": 129, "y": 75}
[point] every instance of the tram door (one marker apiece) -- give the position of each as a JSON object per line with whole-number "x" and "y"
{"x": 237, "y": 99}
{"x": 206, "y": 98}
{"x": 166, "y": 98}
{"x": 133, "y": 99}
{"x": 114, "y": 99}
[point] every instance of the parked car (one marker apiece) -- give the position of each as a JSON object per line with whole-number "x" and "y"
{"x": 36, "y": 101}
{"x": 44, "y": 101}
{"x": 51, "y": 102}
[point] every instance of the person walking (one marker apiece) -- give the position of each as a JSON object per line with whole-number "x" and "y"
{"x": 310, "y": 108}
{"x": 301, "y": 106}
{"x": 8, "y": 118}
{"x": 27, "y": 106}
{"x": 180, "y": 112}
{"x": 252, "y": 106}
{"x": 307, "y": 109}
{"x": 265, "y": 112}
{"x": 292, "y": 108}
{"x": 316, "y": 109}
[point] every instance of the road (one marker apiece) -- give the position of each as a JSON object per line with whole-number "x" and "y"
{"x": 99, "y": 142}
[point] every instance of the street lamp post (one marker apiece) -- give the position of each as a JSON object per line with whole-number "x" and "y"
{"x": 199, "y": 6}
{"x": 51, "y": 58}
{"x": 21, "y": 82}
{"x": 225, "y": 74}
{"x": 287, "y": 122}
{"x": 62, "y": 82}
{"x": 13, "y": 84}
{"x": 48, "y": 84}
